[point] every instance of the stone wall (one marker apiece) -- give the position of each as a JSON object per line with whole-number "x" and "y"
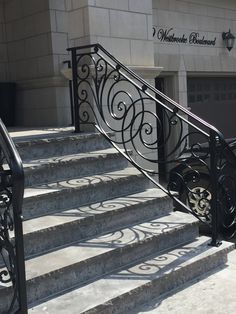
{"x": 210, "y": 19}
{"x": 36, "y": 42}
{"x": 188, "y": 42}
{"x": 38, "y": 33}
{"x": 123, "y": 27}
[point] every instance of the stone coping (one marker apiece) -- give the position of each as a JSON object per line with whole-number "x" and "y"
{"x": 148, "y": 72}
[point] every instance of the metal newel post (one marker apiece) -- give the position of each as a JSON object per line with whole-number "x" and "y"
{"x": 75, "y": 91}
{"x": 18, "y": 192}
{"x": 68, "y": 62}
{"x": 214, "y": 184}
{"x": 20, "y": 267}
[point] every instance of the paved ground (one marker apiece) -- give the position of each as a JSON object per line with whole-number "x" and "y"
{"x": 214, "y": 294}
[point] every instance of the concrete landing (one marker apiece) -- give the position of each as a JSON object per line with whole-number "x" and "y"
{"x": 214, "y": 293}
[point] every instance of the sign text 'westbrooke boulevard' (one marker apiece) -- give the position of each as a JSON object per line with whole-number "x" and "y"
{"x": 168, "y": 35}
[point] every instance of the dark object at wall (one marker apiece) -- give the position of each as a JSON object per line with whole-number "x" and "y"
{"x": 7, "y": 103}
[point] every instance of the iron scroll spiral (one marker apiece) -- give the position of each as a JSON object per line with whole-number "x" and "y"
{"x": 113, "y": 99}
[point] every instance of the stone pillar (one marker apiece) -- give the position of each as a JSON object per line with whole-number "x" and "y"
{"x": 123, "y": 27}
{"x": 36, "y": 39}
{"x": 38, "y": 34}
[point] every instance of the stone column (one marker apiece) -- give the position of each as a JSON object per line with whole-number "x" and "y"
{"x": 123, "y": 27}
{"x": 38, "y": 33}
{"x": 36, "y": 39}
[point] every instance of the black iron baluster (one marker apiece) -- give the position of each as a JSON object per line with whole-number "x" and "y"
{"x": 19, "y": 247}
{"x": 214, "y": 177}
{"x": 75, "y": 91}
{"x": 68, "y": 62}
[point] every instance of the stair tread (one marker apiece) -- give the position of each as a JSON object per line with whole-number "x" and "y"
{"x": 27, "y": 136}
{"x": 98, "y": 256}
{"x": 35, "y": 163}
{"x": 56, "y": 187}
{"x": 55, "y": 219}
{"x": 128, "y": 280}
{"x": 22, "y": 132}
{"x": 81, "y": 251}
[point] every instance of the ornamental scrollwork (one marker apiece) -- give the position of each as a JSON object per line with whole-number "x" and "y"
{"x": 144, "y": 122}
{"x": 7, "y": 243}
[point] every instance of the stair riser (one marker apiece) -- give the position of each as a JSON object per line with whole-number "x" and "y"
{"x": 73, "y": 169}
{"x": 76, "y": 197}
{"x": 59, "y": 147}
{"x": 89, "y": 227}
{"x": 130, "y": 302}
{"x": 85, "y": 271}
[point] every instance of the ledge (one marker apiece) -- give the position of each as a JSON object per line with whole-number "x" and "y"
{"x": 145, "y": 72}
{"x": 148, "y": 72}
{"x": 46, "y": 82}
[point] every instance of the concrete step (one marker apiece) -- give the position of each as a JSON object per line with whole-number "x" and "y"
{"x": 83, "y": 261}
{"x": 65, "y": 167}
{"x": 45, "y": 143}
{"x": 97, "y": 232}
{"x": 125, "y": 290}
{"x": 213, "y": 288}
{"x": 47, "y": 232}
{"x": 53, "y": 197}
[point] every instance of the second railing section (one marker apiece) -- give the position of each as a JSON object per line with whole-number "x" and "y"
{"x": 179, "y": 152}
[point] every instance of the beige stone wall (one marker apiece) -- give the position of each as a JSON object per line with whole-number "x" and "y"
{"x": 209, "y": 18}
{"x": 34, "y": 35}
{"x": 28, "y": 40}
{"x": 36, "y": 41}
{"x": 123, "y": 27}
{"x": 38, "y": 33}
{"x": 180, "y": 60}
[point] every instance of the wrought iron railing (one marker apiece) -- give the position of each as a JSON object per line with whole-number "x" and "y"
{"x": 12, "y": 267}
{"x": 197, "y": 160}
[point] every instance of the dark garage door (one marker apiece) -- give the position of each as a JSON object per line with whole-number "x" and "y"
{"x": 214, "y": 100}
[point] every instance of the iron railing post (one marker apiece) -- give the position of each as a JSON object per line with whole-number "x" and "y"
{"x": 18, "y": 192}
{"x": 75, "y": 91}
{"x": 68, "y": 62}
{"x": 20, "y": 265}
{"x": 214, "y": 174}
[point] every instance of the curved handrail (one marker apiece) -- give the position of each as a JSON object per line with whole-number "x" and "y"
{"x": 11, "y": 198}
{"x": 96, "y": 79}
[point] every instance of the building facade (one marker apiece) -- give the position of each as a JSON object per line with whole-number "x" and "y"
{"x": 180, "y": 38}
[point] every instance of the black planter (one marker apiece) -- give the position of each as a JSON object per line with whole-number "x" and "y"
{"x": 7, "y": 103}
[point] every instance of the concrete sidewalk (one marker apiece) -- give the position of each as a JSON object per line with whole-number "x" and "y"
{"x": 211, "y": 294}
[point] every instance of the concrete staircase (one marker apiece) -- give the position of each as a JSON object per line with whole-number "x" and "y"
{"x": 98, "y": 237}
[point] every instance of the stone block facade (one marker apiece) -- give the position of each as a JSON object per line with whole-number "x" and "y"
{"x": 34, "y": 36}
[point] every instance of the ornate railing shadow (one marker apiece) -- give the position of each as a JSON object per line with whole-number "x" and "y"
{"x": 110, "y": 97}
{"x": 12, "y": 267}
